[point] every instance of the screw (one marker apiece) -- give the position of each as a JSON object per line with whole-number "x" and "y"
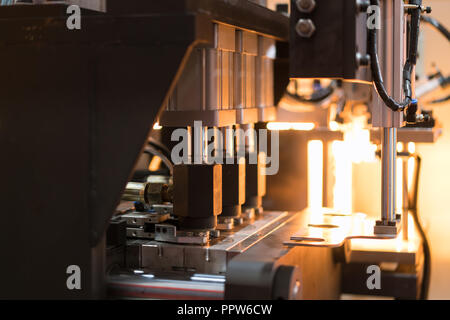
{"x": 425, "y": 9}
{"x": 306, "y": 6}
{"x": 305, "y": 28}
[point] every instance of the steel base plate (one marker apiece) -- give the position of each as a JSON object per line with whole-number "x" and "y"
{"x": 328, "y": 228}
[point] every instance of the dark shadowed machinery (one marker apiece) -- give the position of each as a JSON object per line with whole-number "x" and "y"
{"x": 162, "y": 149}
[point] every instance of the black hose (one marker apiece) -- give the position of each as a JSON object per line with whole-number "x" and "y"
{"x": 153, "y": 151}
{"x": 426, "y": 245}
{"x": 439, "y": 26}
{"x": 159, "y": 146}
{"x": 317, "y": 96}
{"x": 407, "y": 70}
{"x": 441, "y": 100}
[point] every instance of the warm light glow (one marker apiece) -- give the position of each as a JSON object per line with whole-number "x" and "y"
{"x": 399, "y": 183}
{"x": 342, "y": 191}
{"x": 411, "y": 168}
{"x": 357, "y": 141}
{"x": 334, "y": 126}
{"x": 156, "y": 126}
{"x": 400, "y": 147}
{"x": 155, "y": 163}
{"x": 300, "y": 126}
{"x": 411, "y": 147}
{"x": 355, "y": 148}
{"x": 315, "y": 173}
{"x": 411, "y": 164}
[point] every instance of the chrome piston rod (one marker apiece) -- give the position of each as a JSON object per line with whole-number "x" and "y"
{"x": 388, "y": 167}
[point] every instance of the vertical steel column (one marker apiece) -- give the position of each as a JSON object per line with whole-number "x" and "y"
{"x": 392, "y": 38}
{"x": 405, "y": 202}
{"x": 388, "y": 162}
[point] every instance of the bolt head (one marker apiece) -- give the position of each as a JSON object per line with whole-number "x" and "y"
{"x": 305, "y": 28}
{"x": 306, "y": 6}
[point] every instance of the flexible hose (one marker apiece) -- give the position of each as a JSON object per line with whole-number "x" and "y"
{"x": 407, "y": 70}
{"x": 439, "y": 26}
{"x": 426, "y": 245}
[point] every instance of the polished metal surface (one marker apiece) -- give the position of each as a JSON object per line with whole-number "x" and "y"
{"x": 207, "y": 258}
{"x": 139, "y": 233}
{"x": 169, "y": 233}
{"x": 392, "y": 52}
{"x": 141, "y": 218}
{"x": 328, "y": 228}
{"x": 138, "y": 284}
{"x": 154, "y": 192}
{"x": 226, "y": 84}
{"x": 405, "y": 135}
{"x": 388, "y": 167}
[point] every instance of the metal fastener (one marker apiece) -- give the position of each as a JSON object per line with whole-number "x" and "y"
{"x": 306, "y": 6}
{"x": 305, "y": 28}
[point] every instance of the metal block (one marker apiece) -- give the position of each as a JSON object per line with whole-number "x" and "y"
{"x": 255, "y": 184}
{"x": 330, "y": 50}
{"x": 249, "y": 73}
{"x": 139, "y": 233}
{"x": 169, "y": 233}
{"x": 197, "y": 194}
{"x": 249, "y": 43}
{"x": 233, "y": 184}
{"x": 164, "y": 258}
{"x": 141, "y": 218}
{"x": 225, "y": 38}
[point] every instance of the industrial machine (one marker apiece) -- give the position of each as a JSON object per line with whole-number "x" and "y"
{"x": 161, "y": 149}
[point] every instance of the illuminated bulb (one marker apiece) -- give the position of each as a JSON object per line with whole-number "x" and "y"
{"x": 156, "y": 126}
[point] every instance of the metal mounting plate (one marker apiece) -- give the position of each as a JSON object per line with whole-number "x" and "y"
{"x": 328, "y": 228}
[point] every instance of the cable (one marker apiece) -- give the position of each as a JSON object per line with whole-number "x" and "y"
{"x": 439, "y": 26}
{"x": 317, "y": 96}
{"x": 153, "y": 151}
{"x": 441, "y": 100}
{"x": 426, "y": 245}
{"x": 408, "y": 68}
{"x": 160, "y": 146}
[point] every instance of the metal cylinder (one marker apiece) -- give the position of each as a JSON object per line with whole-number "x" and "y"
{"x": 388, "y": 163}
{"x": 148, "y": 192}
{"x": 405, "y": 201}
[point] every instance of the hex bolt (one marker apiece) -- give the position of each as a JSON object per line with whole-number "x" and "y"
{"x": 362, "y": 59}
{"x": 305, "y": 28}
{"x": 306, "y": 6}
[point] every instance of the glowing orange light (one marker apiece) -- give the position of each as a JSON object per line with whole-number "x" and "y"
{"x": 315, "y": 173}
{"x": 300, "y": 126}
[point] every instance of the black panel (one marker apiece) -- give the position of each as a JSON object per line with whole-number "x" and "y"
{"x": 331, "y": 51}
